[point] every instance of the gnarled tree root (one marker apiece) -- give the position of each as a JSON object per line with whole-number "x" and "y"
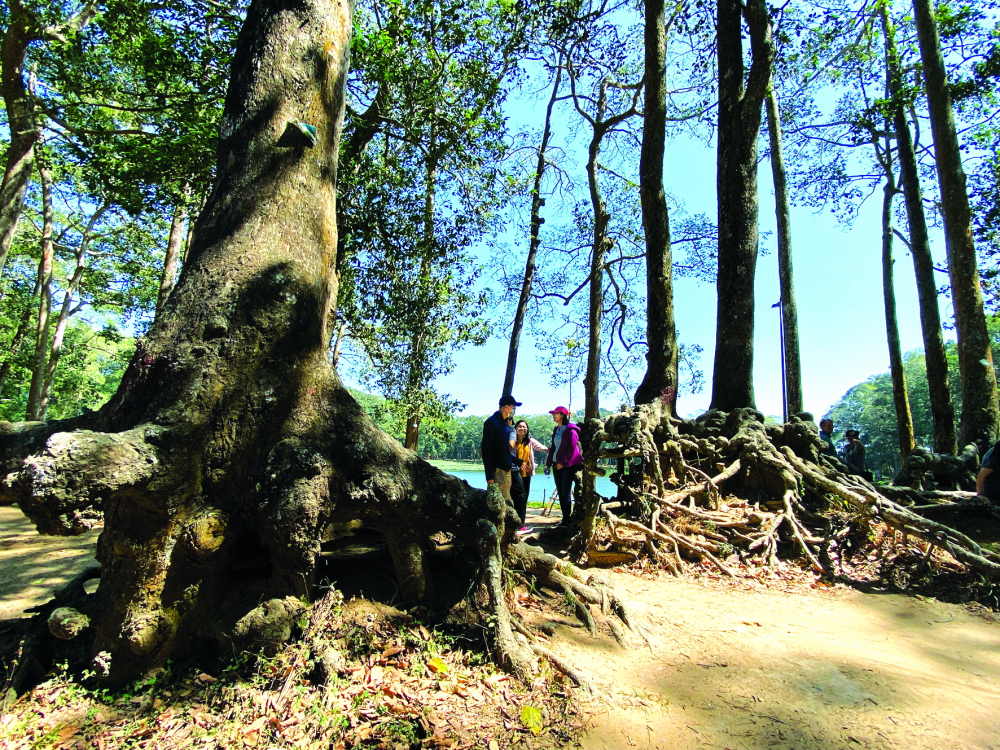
{"x": 674, "y": 509}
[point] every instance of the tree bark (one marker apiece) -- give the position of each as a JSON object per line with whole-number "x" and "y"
{"x": 660, "y": 380}
{"x": 900, "y": 395}
{"x": 416, "y": 377}
{"x": 231, "y": 444}
{"x": 782, "y": 210}
{"x": 739, "y": 125}
{"x": 24, "y": 130}
{"x": 23, "y": 29}
{"x": 175, "y": 246}
{"x": 44, "y": 299}
{"x": 942, "y": 409}
{"x": 55, "y": 350}
{"x": 535, "y": 239}
{"x": 980, "y": 410}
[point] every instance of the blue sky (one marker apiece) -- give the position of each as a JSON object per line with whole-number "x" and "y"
{"x": 838, "y": 284}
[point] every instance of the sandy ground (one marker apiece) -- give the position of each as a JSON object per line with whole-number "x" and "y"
{"x": 825, "y": 669}
{"x": 32, "y": 566}
{"x": 734, "y": 666}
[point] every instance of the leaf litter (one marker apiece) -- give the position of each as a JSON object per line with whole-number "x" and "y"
{"x": 406, "y": 685}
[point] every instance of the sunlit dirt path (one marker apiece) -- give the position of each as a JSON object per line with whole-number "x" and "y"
{"x": 735, "y": 665}
{"x": 827, "y": 669}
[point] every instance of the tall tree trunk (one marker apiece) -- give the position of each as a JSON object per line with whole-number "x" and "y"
{"x": 416, "y": 377}
{"x": 55, "y": 351}
{"x": 980, "y": 410}
{"x": 660, "y": 380}
{"x": 535, "y": 240}
{"x": 739, "y": 125}
{"x": 942, "y": 409}
{"x": 900, "y": 395}
{"x": 231, "y": 443}
{"x": 782, "y": 210}
{"x": 175, "y": 246}
{"x": 21, "y": 121}
{"x": 23, "y": 28}
{"x": 44, "y": 299}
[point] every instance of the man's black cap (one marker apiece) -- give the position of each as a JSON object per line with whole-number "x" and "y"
{"x": 509, "y": 400}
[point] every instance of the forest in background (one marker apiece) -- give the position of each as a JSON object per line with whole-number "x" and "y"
{"x": 123, "y": 102}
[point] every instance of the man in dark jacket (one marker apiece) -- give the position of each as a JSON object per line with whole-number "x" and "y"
{"x": 497, "y": 458}
{"x": 988, "y": 479}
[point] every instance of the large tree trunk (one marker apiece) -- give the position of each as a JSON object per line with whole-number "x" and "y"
{"x": 44, "y": 287}
{"x": 660, "y": 380}
{"x": 942, "y": 409}
{"x": 535, "y": 240}
{"x": 782, "y": 210}
{"x": 231, "y": 444}
{"x": 900, "y": 396}
{"x": 739, "y": 125}
{"x": 980, "y": 411}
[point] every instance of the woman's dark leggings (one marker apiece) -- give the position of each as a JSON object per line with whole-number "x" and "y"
{"x": 519, "y": 494}
{"x": 564, "y": 486}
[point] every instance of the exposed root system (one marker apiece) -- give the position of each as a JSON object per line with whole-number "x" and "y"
{"x": 730, "y": 491}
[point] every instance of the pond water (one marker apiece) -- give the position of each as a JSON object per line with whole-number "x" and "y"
{"x": 542, "y": 486}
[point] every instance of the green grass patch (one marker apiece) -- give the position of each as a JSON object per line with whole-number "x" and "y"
{"x": 446, "y": 464}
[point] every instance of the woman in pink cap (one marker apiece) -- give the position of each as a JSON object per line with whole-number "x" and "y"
{"x": 564, "y": 452}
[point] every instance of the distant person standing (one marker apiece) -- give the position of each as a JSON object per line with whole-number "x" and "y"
{"x": 495, "y": 447}
{"x": 525, "y": 447}
{"x": 564, "y": 453}
{"x": 826, "y": 435}
{"x": 854, "y": 455}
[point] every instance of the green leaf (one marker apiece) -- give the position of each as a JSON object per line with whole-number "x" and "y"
{"x": 437, "y": 665}
{"x": 531, "y": 717}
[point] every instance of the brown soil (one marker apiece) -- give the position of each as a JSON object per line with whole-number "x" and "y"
{"x": 735, "y": 665}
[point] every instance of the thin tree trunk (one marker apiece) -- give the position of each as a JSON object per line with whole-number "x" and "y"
{"x": 21, "y": 121}
{"x": 739, "y": 126}
{"x": 900, "y": 395}
{"x": 175, "y": 246}
{"x": 55, "y": 351}
{"x": 660, "y": 380}
{"x": 942, "y": 409}
{"x": 23, "y": 28}
{"x": 599, "y": 247}
{"x": 416, "y": 375}
{"x": 980, "y": 410}
{"x": 338, "y": 341}
{"x": 782, "y": 210}
{"x": 44, "y": 299}
{"x": 535, "y": 240}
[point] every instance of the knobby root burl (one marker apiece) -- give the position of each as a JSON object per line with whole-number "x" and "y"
{"x": 730, "y": 486}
